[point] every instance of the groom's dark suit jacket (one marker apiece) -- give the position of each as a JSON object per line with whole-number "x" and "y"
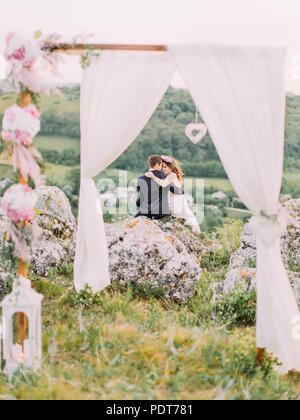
{"x": 153, "y": 200}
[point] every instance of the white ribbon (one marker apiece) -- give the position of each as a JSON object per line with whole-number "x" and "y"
{"x": 18, "y": 235}
{"x": 269, "y": 228}
{"x": 23, "y": 158}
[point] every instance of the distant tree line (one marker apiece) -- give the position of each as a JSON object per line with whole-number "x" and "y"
{"x": 64, "y": 124}
{"x": 67, "y": 157}
{"x": 164, "y": 134}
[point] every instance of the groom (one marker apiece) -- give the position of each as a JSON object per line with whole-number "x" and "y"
{"x": 153, "y": 200}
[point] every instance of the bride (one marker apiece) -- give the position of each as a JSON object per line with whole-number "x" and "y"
{"x": 178, "y": 204}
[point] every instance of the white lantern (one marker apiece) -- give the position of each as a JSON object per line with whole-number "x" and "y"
{"x": 27, "y": 301}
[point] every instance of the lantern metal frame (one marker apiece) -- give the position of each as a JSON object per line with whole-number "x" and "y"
{"x": 27, "y": 301}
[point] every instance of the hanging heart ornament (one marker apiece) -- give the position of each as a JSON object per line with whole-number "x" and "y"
{"x": 196, "y": 132}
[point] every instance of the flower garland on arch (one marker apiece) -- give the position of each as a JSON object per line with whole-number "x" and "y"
{"x": 20, "y": 125}
{"x": 23, "y": 54}
{"x": 18, "y": 205}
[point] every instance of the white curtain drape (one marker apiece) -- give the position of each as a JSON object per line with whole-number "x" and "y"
{"x": 240, "y": 95}
{"x": 119, "y": 93}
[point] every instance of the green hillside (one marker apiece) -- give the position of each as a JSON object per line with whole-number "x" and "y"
{"x": 164, "y": 134}
{"x": 58, "y": 143}
{"x": 68, "y": 103}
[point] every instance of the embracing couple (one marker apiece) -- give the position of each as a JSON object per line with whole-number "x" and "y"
{"x": 160, "y": 192}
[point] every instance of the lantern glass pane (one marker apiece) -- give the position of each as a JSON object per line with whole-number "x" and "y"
{"x": 20, "y": 328}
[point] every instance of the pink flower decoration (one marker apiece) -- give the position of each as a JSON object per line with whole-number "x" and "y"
{"x": 19, "y": 54}
{"x": 167, "y": 159}
{"x": 6, "y": 135}
{"x": 18, "y": 203}
{"x": 23, "y": 137}
{"x": 18, "y": 216}
{"x": 33, "y": 111}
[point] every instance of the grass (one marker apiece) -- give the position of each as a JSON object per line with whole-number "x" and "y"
{"x": 293, "y": 176}
{"x": 57, "y": 174}
{"x": 219, "y": 183}
{"x": 237, "y": 213}
{"x": 129, "y": 348}
{"x": 58, "y": 143}
{"x": 119, "y": 345}
{"x": 52, "y": 102}
{"x": 6, "y": 170}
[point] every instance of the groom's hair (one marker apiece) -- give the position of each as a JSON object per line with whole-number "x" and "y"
{"x": 154, "y": 160}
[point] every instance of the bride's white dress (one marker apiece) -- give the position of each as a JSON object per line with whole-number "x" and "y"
{"x": 180, "y": 208}
{"x": 178, "y": 205}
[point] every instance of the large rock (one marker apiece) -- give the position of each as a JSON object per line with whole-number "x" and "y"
{"x": 162, "y": 254}
{"x": 242, "y": 268}
{"x": 57, "y": 242}
{"x": 145, "y": 251}
{"x": 55, "y": 213}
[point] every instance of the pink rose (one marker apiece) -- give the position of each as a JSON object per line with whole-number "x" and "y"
{"x": 18, "y": 216}
{"x": 33, "y": 111}
{"x": 19, "y": 54}
{"x": 23, "y": 137}
{"x": 6, "y": 135}
{"x": 18, "y": 203}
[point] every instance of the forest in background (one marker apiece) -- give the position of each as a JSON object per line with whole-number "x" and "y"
{"x": 164, "y": 134}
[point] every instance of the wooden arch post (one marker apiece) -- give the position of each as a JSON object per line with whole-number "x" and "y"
{"x": 21, "y": 318}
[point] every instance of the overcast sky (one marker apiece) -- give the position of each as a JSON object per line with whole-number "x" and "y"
{"x": 249, "y": 22}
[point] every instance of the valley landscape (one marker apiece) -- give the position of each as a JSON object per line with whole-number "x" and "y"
{"x": 146, "y": 336}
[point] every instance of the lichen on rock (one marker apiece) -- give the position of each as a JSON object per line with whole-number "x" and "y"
{"x": 57, "y": 241}
{"x": 194, "y": 243}
{"x": 144, "y": 251}
{"x": 55, "y": 213}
